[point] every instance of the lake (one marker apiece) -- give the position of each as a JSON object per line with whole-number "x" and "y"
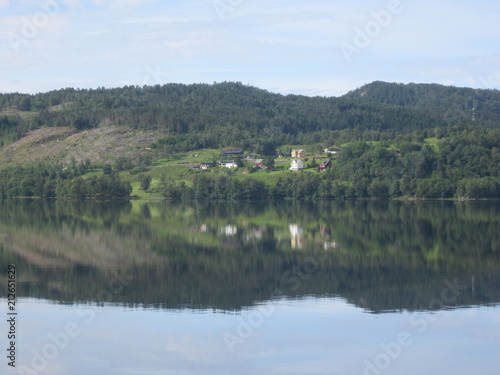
{"x": 312, "y": 288}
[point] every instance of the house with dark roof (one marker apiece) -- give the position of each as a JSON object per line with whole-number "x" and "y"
{"x": 325, "y": 165}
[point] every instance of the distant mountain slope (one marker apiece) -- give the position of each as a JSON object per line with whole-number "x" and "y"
{"x": 454, "y": 103}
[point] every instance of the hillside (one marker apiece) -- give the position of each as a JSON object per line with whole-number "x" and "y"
{"x": 215, "y": 116}
{"x": 398, "y": 141}
{"x": 205, "y": 116}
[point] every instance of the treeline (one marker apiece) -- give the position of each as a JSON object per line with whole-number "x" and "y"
{"x": 213, "y": 116}
{"x": 45, "y": 180}
{"x": 215, "y": 187}
{"x": 305, "y": 185}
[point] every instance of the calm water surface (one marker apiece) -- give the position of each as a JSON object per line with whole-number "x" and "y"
{"x": 253, "y": 288}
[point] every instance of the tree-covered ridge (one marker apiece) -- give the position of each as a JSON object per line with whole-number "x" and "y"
{"x": 232, "y": 113}
{"x": 457, "y": 105}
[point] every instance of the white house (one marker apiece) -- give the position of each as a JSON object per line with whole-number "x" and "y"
{"x": 297, "y": 165}
{"x": 228, "y": 164}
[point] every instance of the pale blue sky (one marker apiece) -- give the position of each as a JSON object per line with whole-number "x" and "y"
{"x": 285, "y": 46}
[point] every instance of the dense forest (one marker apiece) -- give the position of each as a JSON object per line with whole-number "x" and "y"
{"x": 217, "y": 115}
{"x": 461, "y": 105}
{"x": 384, "y": 127}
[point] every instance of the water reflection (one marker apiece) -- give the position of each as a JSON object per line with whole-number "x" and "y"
{"x": 380, "y": 256}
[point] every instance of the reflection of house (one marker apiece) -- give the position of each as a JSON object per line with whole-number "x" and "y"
{"x": 206, "y": 166}
{"x": 296, "y": 232}
{"x": 228, "y": 164}
{"x": 256, "y": 234}
{"x": 231, "y": 153}
{"x": 229, "y": 230}
{"x": 325, "y": 165}
{"x": 299, "y": 153}
{"x": 330, "y": 245}
{"x": 297, "y": 165}
{"x": 333, "y": 150}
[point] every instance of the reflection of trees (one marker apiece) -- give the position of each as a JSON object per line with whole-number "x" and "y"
{"x": 386, "y": 255}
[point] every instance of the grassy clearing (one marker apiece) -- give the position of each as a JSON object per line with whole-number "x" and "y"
{"x": 433, "y": 142}
{"x": 177, "y": 168}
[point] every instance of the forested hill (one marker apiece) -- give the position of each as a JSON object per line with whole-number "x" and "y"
{"x": 203, "y": 115}
{"x": 456, "y": 105}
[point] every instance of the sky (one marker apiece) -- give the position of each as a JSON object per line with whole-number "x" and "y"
{"x": 318, "y": 47}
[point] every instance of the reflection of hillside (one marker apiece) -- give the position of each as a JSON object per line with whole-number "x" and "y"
{"x": 380, "y": 256}
{"x": 75, "y": 246}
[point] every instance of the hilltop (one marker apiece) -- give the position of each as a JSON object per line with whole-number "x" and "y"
{"x": 455, "y": 104}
